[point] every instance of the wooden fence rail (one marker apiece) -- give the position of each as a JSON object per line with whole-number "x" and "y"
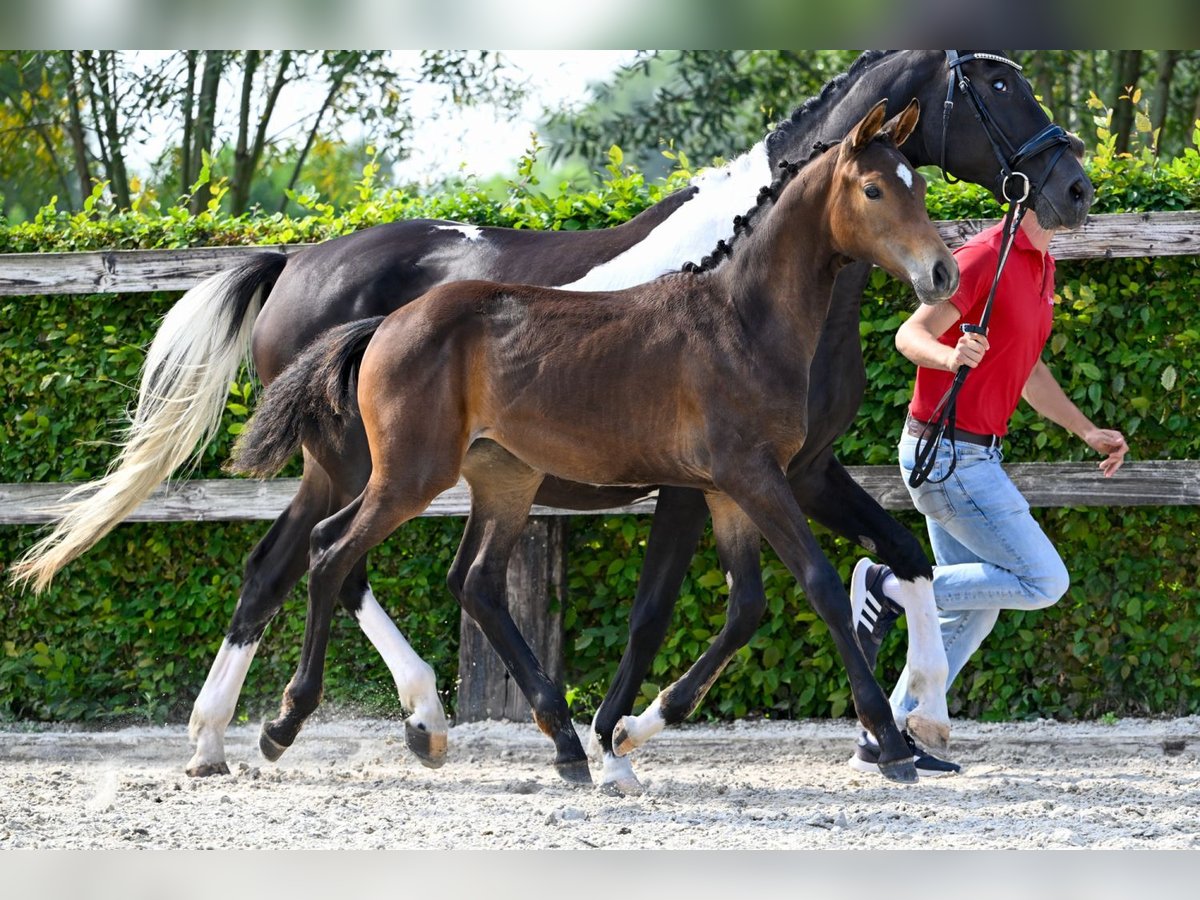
{"x": 536, "y": 576}
{"x": 132, "y": 271}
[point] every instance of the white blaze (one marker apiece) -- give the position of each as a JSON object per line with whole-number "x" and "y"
{"x": 905, "y": 174}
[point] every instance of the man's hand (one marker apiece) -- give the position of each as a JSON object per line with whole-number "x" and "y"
{"x": 1112, "y": 444}
{"x": 968, "y": 351}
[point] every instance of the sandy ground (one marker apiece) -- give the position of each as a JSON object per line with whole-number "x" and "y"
{"x": 350, "y": 783}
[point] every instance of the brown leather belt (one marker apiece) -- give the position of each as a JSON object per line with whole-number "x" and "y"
{"x": 916, "y": 428}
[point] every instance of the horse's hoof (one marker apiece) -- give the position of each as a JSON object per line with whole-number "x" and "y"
{"x": 929, "y": 733}
{"x": 429, "y": 747}
{"x": 269, "y": 747}
{"x": 204, "y": 770}
{"x": 622, "y": 741}
{"x": 618, "y": 779}
{"x": 903, "y": 771}
{"x": 574, "y": 771}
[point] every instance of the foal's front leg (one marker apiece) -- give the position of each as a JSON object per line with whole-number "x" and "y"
{"x": 759, "y": 487}
{"x": 828, "y": 494}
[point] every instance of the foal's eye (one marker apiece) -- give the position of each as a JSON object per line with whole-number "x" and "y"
{"x": 872, "y": 192}
{"x": 1000, "y": 86}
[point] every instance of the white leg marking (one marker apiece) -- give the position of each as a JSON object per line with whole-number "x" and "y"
{"x": 617, "y": 775}
{"x": 416, "y": 684}
{"x": 217, "y": 702}
{"x": 927, "y": 665}
{"x": 639, "y": 729}
{"x": 692, "y": 231}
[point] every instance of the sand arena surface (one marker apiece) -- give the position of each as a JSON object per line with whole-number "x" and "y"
{"x": 351, "y": 783}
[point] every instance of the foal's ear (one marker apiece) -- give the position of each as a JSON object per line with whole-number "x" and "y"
{"x": 864, "y": 132}
{"x": 901, "y": 126}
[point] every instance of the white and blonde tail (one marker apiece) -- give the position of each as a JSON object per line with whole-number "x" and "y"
{"x": 196, "y": 353}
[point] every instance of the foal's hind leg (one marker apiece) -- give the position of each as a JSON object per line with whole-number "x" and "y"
{"x": 679, "y": 519}
{"x": 828, "y": 494}
{"x": 739, "y": 546}
{"x": 502, "y": 490}
{"x": 338, "y": 544}
{"x": 272, "y": 570}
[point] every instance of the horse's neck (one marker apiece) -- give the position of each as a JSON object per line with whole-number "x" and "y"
{"x": 781, "y": 275}
{"x": 898, "y": 77}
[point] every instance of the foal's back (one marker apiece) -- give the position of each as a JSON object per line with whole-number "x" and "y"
{"x": 603, "y": 388}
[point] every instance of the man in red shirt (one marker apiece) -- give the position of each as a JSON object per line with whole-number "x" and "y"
{"x": 990, "y": 553}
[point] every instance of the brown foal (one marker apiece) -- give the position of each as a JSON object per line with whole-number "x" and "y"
{"x": 697, "y": 379}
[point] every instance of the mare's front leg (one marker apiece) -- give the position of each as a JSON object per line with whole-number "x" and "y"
{"x": 758, "y": 485}
{"x": 739, "y": 545}
{"x": 678, "y": 523}
{"x": 828, "y": 494}
{"x": 272, "y": 570}
{"x": 502, "y": 491}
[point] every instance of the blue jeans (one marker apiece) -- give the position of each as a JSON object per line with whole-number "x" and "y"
{"x": 990, "y": 553}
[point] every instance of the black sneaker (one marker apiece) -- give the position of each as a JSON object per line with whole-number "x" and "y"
{"x": 866, "y": 758}
{"x": 874, "y": 611}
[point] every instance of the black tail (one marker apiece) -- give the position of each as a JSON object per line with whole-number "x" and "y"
{"x": 311, "y": 396}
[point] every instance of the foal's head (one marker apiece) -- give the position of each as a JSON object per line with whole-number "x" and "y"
{"x": 877, "y": 211}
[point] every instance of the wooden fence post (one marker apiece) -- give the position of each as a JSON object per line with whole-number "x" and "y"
{"x": 536, "y": 598}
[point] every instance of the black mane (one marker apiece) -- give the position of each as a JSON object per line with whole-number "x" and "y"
{"x": 834, "y": 86}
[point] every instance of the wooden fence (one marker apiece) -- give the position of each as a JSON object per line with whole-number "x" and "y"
{"x": 536, "y": 580}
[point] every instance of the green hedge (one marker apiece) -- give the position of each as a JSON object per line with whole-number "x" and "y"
{"x": 130, "y": 629}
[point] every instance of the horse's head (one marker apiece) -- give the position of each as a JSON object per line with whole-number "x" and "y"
{"x": 994, "y": 123}
{"x": 876, "y": 206}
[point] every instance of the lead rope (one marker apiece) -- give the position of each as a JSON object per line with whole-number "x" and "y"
{"x": 943, "y": 418}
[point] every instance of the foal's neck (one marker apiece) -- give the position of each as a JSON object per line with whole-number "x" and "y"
{"x": 781, "y": 274}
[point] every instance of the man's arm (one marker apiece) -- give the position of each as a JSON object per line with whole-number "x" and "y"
{"x": 1043, "y": 393}
{"x": 917, "y": 339}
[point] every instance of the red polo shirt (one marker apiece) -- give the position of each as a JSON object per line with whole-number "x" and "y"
{"x": 1020, "y": 324}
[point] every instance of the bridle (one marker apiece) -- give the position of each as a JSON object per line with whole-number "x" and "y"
{"x": 1051, "y": 138}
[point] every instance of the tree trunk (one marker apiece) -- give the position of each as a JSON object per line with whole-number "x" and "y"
{"x": 112, "y": 130}
{"x": 1127, "y": 72}
{"x": 335, "y": 85}
{"x": 206, "y": 114}
{"x": 1162, "y": 95}
{"x": 83, "y": 169}
{"x": 187, "y": 171}
{"x": 243, "y": 169}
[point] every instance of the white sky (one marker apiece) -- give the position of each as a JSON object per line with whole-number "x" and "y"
{"x": 479, "y": 140}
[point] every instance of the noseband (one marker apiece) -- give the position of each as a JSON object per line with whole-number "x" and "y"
{"x": 1016, "y": 187}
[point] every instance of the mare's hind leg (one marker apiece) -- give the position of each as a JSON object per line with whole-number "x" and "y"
{"x": 502, "y": 490}
{"x": 337, "y": 546}
{"x": 739, "y": 545}
{"x": 829, "y": 495}
{"x": 425, "y": 729}
{"x": 679, "y": 519}
{"x": 272, "y": 570}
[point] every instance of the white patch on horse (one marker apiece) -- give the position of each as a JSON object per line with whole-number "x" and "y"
{"x": 928, "y": 669}
{"x": 216, "y": 704}
{"x": 692, "y": 231}
{"x": 905, "y": 174}
{"x": 416, "y": 684}
{"x": 470, "y": 232}
{"x": 639, "y": 729}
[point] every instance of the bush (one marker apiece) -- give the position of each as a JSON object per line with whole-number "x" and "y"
{"x": 129, "y": 629}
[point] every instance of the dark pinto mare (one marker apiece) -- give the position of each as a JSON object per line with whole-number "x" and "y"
{"x": 286, "y": 302}
{"x": 697, "y": 380}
